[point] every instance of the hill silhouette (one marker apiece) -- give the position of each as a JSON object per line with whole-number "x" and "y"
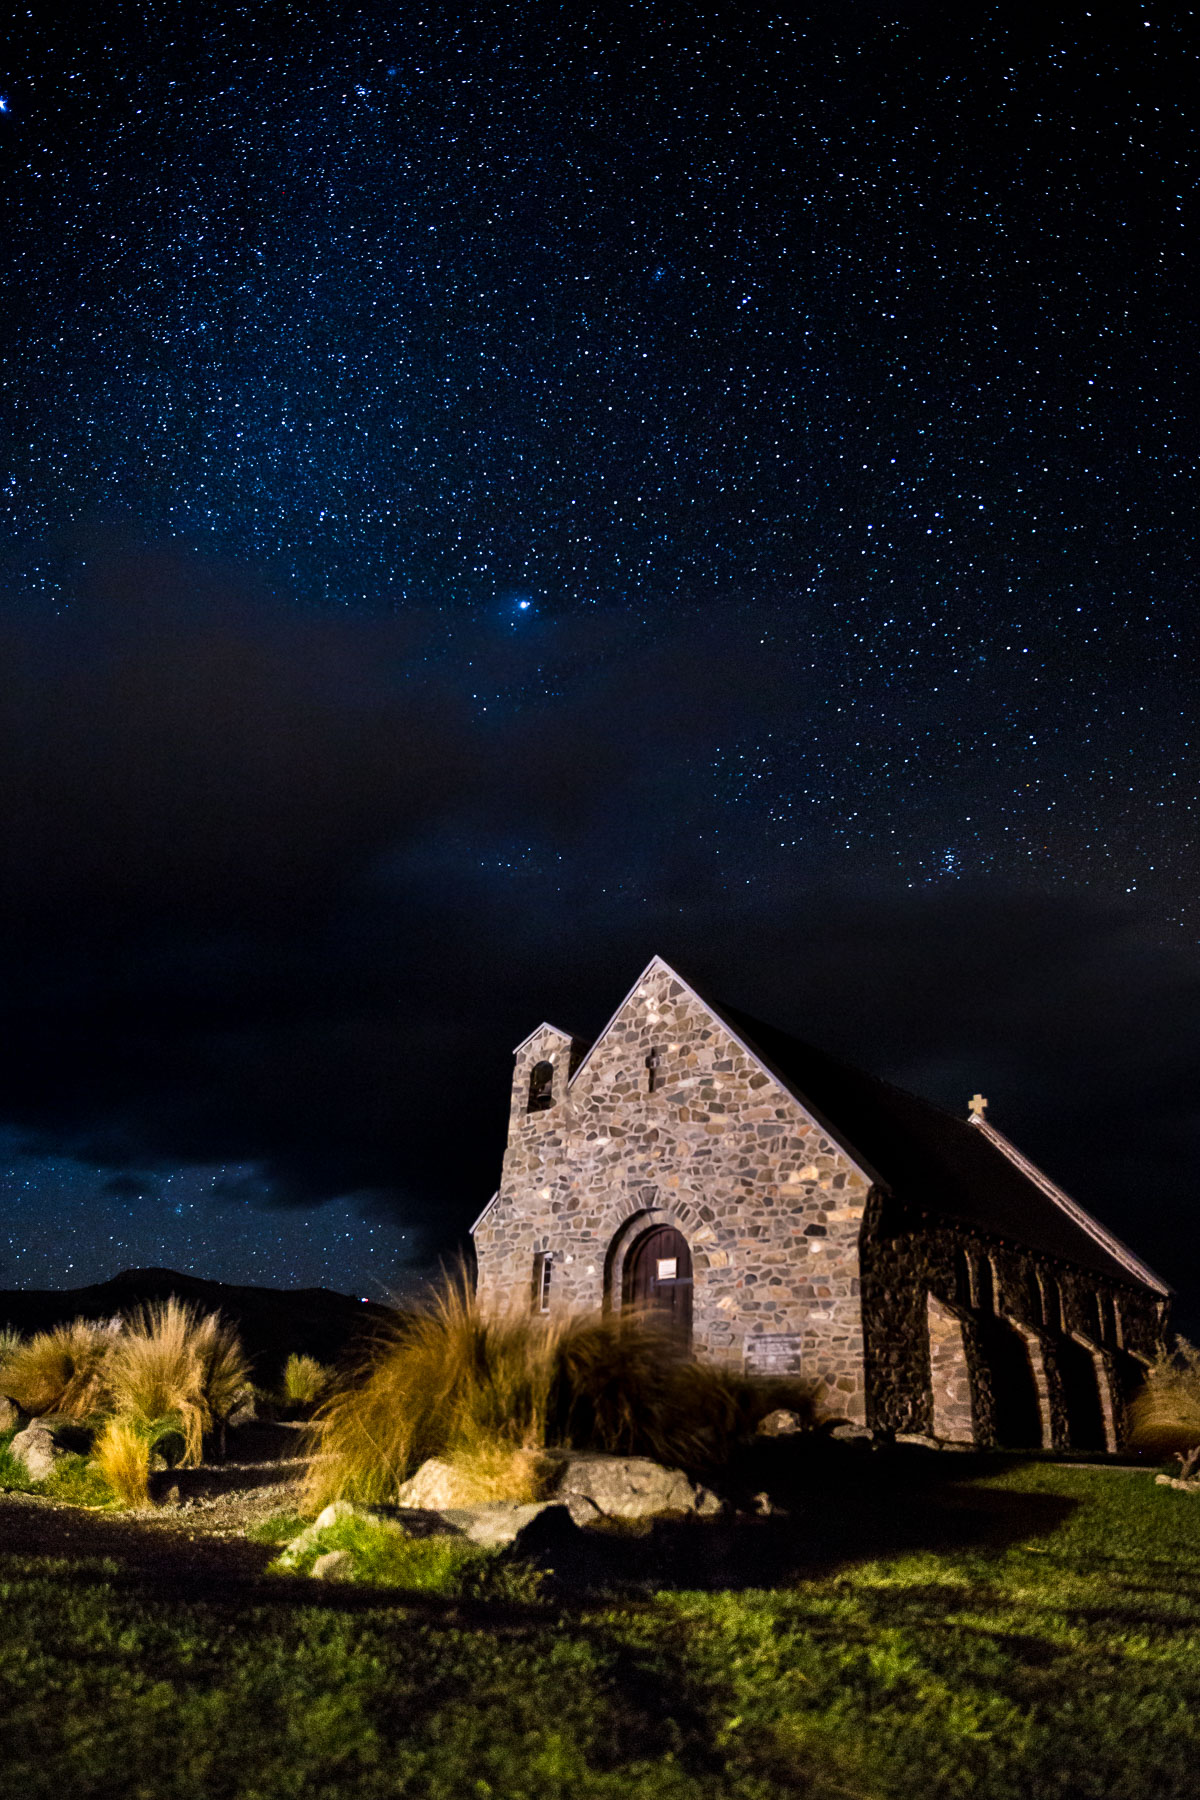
{"x": 273, "y": 1322}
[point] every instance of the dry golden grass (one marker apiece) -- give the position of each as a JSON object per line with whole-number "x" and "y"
{"x": 172, "y": 1362}
{"x": 1164, "y": 1417}
{"x": 61, "y": 1371}
{"x": 304, "y": 1380}
{"x": 122, "y": 1455}
{"x": 487, "y": 1391}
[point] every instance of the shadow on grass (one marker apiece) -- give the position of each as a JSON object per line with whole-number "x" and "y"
{"x": 832, "y": 1506}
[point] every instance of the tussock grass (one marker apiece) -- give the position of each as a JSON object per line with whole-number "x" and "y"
{"x": 304, "y": 1380}
{"x": 63, "y": 1371}
{"x": 122, "y": 1457}
{"x": 172, "y": 1362}
{"x": 1164, "y": 1416}
{"x": 488, "y": 1390}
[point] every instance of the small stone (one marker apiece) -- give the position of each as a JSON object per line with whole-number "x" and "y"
{"x": 338, "y": 1509}
{"x": 708, "y": 1504}
{"x": 36, "y": 1450}
{"x": 847, "y": 1434}
{"x": 780, "y": 1423}
{"x": 335, "y": 1565}
{"x": 9, "y": 1416}
{"x": 920, "y": 1438}
{"x": 245, "y": 1411}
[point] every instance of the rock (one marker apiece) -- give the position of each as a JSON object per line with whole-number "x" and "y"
{"x": 708, "y": 1506}
{"x": 624, "y": 1487}
{"x": 338, "y": 1509}
{"x": 1185, "y": 1486}
{"x": 780, "y": 1423}
{"x": 920, "y": 1438}
{"x": 291, "y": 1553}
{"x": 335, "y": 1565}
{"x": 36, "y": 1450}
{"x": 9, "y": 1416}
{"x": 245, "y": 1411}
{"x": 847, "y": 1433}
{"x": 436, "y": 1486}
{"x": 763, "y": 1507}
{"x": 492, "y": 1526}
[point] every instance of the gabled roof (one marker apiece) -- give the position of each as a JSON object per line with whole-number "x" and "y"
{"x": 922, "y": 1154}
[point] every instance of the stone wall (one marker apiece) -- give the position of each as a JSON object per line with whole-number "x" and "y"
{"x": 704, "y": 1140}
{"x": 922, "y": 1273}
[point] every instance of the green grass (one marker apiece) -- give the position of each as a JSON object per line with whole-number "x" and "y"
{"x": 74, "y": 1479}
{"x": 1032, "y": 1634}
{"x": 383, "y": 1557}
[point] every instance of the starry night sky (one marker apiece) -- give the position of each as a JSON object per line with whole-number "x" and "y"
{"x": 492, "y": 496}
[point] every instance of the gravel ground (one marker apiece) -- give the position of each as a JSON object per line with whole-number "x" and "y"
{"x": 199, "y": 1523}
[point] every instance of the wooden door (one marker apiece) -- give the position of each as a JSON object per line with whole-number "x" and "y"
{"x": 658, "y": 1279}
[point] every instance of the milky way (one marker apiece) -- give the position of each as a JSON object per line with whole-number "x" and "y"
{"x": 845, "y": 361}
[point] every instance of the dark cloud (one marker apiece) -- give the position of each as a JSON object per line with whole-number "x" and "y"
{"x": 283, "y": 891}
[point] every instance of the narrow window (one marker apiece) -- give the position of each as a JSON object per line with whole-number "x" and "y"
{"x": 543, "y": 1262}
{"x": 541, "y": 1087}
{"x": 964, "y": 1284}
{"x": 653, "y": 1065}
{"x": 985, "y": 1280}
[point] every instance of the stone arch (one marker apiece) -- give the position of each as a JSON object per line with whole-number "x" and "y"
{"x": 641, "y": 1212}
{"x": 1083, "y": 1400}
{"x": 1016, "y": 1408}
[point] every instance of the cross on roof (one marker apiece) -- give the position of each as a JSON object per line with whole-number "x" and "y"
{"x": 978, "y": 1106}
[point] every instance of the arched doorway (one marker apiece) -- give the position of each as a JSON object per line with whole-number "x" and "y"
{"x": 657, "y": 1278}
{"x": 1015, "y": 1406}
{"x": 1081, "y": 1396}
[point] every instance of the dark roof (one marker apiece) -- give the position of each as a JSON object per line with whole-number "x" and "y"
{"x": 925, "y": 1155}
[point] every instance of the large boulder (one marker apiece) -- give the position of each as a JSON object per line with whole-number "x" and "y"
{"x": 36, "y": 1450}
{"x": 628, "y": 1487}
{"x": 436, "y": 1486}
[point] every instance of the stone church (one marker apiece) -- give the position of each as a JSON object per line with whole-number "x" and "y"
{"x": 787, "y": 1213}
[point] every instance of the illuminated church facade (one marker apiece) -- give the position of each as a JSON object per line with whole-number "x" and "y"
{"x": 784, "y": 1212}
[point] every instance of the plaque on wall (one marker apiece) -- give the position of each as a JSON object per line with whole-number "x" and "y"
{"x": 775, "y": 1352}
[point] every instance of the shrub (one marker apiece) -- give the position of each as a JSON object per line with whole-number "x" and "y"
{"x": 304, "y": 1380}
{"x": 172, "y": 1363}
{"x": 449, "y": 1379}
{"x": 488, "y": 1391}
{"x": 63, "y": 1371}
{"x": 1164, "y": 1415}
{"x": 122, "y": 1457}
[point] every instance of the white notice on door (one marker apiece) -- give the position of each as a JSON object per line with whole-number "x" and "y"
{"x": 666, "y": 1267}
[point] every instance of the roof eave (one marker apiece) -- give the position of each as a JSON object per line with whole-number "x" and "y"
{"x": 1113, "y": 1246}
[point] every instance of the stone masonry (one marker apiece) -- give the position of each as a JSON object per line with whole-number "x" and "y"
{"x": 769, "y": 1205}
{"x": 803, "y": 1261}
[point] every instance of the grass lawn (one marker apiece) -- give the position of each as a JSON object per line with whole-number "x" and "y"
{"x": 1020, "y": 1630}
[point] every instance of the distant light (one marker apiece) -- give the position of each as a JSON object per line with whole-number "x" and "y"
{"x": 523, "y": 605}
{"x": 3, "y": 102}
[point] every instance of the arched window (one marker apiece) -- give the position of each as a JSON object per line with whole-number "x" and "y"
{"x": 985, "y": 1278}
{"x": 541, "y": 1087}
